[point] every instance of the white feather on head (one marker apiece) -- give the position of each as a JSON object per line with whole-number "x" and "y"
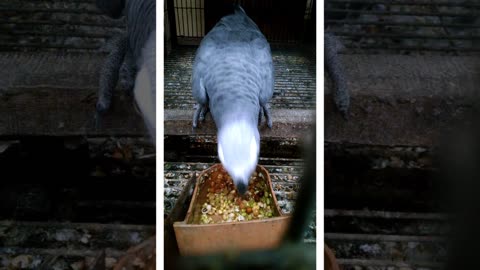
{"x": 238, "y": 149}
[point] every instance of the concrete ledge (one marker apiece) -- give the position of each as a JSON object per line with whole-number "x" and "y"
{"x": 403, "y": 100}
{"x": 286, "y": 123}
{"x": 396, "y": 100}
{"x": 376, "y": 122}
{"x": 65, "y": 112}
{"x": 405, "y": 76}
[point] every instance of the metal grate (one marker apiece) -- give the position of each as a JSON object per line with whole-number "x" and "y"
{"x": 386, "y": 25}
{"x": 382, "y": 209}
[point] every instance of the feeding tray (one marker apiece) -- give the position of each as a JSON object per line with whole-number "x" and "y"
{"x": 141, "y": 256}
{"x": 330, "y": 262}
{"x": 194, "y": 238}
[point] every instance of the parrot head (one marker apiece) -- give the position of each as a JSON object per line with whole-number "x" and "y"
{"x": 238, "y": 149}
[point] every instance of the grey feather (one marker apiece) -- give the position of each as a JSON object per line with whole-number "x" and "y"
{"x": 128, "y": 72}
{"x": 137, "y": 48}
{"x": 233, "y": 67}
{"x": 233, "y": 76}
{"x": 335, "y": 69}
{"x": 141, "y": 22}
{"x": 110, "y": 71}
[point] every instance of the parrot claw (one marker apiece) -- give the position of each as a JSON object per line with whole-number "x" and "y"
{"x": 97, "y": 120}
{"x": 203, "y": 112}
{"x": 343, "y": 108}
{"x": 268, "y": 116}
{"x": 199, "y": 115}
{"x": 100, "y": 108}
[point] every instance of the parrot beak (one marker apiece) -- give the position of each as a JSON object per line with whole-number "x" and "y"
{"x": 241, "y": 188}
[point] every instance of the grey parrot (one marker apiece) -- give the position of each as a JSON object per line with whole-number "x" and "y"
{"x": 136, "y": 49}
{"x": 233, "y": 78}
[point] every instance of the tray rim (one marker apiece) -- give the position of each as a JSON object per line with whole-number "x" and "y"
{"x": 194, "y": 197}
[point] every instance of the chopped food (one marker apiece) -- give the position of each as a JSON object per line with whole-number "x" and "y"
{"x": 223, "y": 204}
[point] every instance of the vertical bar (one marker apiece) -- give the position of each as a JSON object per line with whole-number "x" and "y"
{"x": 172, "y": 21}
{"x": 185, "y": 9}
{"x": 180, "y": 18}
{"x": 204, "y": 25}
{"x": 202, "y": 15}
{"x": 194, "y": 14}
{"x": 179, "y": 14}
{"x": 194, "y": 18}
{"x": 184, "y": 19}
{"x": 197, "y": 15}
{"x": 189, "y": 17}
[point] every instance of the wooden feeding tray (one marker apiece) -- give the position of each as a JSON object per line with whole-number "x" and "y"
{"x": 141, "y": 256}
{"x": 194, "y": 238}
{"x": 330, "y": 262}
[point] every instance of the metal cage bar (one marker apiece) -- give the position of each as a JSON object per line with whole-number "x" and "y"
{"x": 193, "y": 20}
{"x": 189, "y": 19}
